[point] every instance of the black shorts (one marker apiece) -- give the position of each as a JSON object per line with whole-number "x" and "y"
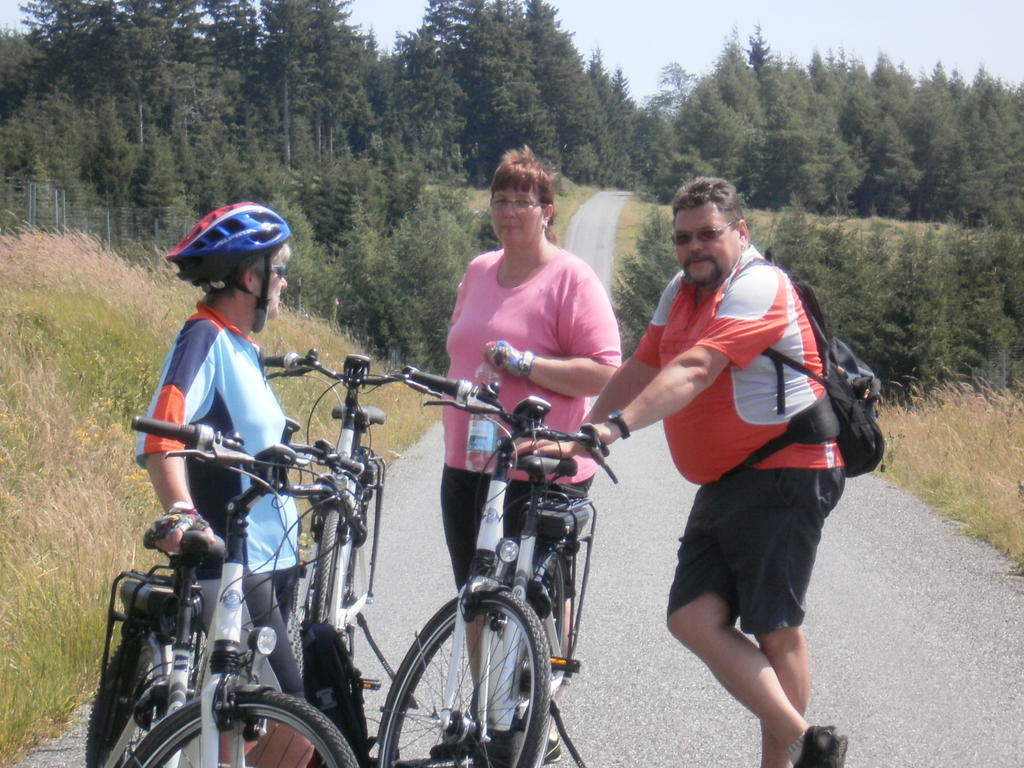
{"x": 463, "y": 494}
{"x": 751, "y": 538}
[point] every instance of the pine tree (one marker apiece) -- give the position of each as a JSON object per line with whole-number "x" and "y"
{"x": 289, "y": 62}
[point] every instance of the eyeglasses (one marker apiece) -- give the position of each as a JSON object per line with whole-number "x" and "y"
{"x": 702, "y": 235}
{"x": 281, "y": 270}
{"x": 518, "y": 206}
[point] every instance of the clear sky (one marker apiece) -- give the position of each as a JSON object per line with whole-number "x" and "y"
{"x": 642, "y": 36}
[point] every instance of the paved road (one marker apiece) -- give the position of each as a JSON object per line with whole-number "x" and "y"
{"x": 591, "y": 233}
{"x": 915, "y": 630}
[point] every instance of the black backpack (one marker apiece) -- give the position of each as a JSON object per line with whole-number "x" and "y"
{"x": 849, "y": 411}
{"x": 334, "y": 686}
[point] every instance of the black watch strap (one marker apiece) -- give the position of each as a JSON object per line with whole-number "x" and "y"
{"x": 615, "y": 417}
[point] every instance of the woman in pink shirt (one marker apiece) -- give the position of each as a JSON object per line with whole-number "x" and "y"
{"x": 538, "y": 317}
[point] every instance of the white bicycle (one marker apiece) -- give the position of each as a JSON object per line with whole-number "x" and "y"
{"x": 235, "y": 721}
{"x": 476, "y": 687}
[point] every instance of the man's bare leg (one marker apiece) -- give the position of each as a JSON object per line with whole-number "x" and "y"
{"x": 745, "y": 670}
{"x": 786, "y": 650}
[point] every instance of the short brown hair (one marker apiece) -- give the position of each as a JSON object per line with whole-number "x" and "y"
{"x": 522, "y": 170}
{"x": 709, "y": 189}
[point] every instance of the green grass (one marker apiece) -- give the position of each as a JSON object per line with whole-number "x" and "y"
{"x": 962, "y": 450}
{"x": 83, "y": 335}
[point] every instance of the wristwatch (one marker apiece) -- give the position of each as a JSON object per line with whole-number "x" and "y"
{"x": 615, "y": 417}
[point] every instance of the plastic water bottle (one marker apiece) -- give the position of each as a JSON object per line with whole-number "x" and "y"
{"x": 482, "y": 439}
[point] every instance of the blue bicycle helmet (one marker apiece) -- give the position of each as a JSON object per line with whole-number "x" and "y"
{"x": 224, "y": 239}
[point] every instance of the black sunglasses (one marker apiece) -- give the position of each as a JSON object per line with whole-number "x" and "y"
{"x": 701, "y": 235}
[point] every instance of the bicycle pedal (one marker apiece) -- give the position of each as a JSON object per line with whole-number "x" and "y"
{"x": 568, "y": 666}
{"x": 369, "y": 685}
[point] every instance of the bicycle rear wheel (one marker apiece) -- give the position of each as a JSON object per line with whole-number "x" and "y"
{"x": 266, "y": 724}
{"x": 412, "y": 731}
{"x": 127, "y": 677}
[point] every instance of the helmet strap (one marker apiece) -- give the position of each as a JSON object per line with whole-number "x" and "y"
{"x": 263, "y": 300}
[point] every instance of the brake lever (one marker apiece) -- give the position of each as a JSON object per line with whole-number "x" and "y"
{"x": 597, "y": 449}
{"x": 218, "y": 454}
{"x": 593, "y": 442}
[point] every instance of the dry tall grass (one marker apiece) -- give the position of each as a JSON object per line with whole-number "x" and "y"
{"x": 962, "y": 450}
{"x": 83, "y": 334}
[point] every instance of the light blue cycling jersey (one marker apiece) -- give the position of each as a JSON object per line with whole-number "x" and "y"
{"x": 212, "y": 375}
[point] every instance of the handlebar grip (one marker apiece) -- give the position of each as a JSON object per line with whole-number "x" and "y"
{"x": 457, "y": 389}
{"x": 287, "y": 361}
{"x": 189, "y": 434}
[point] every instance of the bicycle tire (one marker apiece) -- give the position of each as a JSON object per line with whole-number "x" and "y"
{"x": 411, "y": 727}
{"x": 327, "y": 554}
{"x": 176, "y": 737}
{"x": 114, "y": 703}
{"x": 294, "y": 624}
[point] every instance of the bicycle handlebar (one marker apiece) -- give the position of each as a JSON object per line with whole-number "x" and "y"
{"x": 525, "y": 420}
{"x": 356, "y": 371}
{"x": 288, "y": 361}
{"x": 198, "y": 436}
{"x": 464, "y": 394}
{"x": 198, "y": 439}
{"x": 457, "y": 389}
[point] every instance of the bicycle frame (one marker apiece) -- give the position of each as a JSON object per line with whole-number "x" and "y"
{"x": 226, "y": 660}
{"x": 230, "y": 666}
{"x": 173, "y": 653}
{"x": 361, "y": 473}
{"x": 488, "y": 573}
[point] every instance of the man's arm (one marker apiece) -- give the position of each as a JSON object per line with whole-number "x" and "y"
{"x": 627, "y": 382}
{"x": 670, "y": 390}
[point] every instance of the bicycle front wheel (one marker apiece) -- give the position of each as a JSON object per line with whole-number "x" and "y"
{"x": 326, "y": 566}
{"x": 269, "y": 730}
{"x": 505, "y": 651}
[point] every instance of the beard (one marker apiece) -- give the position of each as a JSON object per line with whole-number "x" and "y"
{"x": 712, "y": 279}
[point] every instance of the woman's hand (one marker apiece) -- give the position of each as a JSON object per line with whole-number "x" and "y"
{"x": 501, "y": 354}
{"x": 167, "y": 531}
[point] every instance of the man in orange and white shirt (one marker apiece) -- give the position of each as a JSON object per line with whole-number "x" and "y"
{"x": 750, "y": 542}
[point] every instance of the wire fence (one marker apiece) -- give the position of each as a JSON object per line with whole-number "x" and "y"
{"x": 1004, "y": 368}
{"x": 136, "y": 233}
{"x": 45, "y": 205}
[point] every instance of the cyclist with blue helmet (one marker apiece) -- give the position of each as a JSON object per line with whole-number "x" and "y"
{"x": 212, "y": 375}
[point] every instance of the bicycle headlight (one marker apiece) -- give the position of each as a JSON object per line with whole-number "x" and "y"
{"x": 263, "y": 640}
{"x": 508, "y": 550}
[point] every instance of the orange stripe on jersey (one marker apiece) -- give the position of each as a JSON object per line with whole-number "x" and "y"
{"x": 170, "y": 406}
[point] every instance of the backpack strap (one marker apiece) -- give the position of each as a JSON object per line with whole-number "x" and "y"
{"x": 813, "y": 425}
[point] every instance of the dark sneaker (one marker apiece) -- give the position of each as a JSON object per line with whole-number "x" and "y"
{"x": 553, "y": 753}
{"x": 444, "y": 753}
{"x": 823, "y": 748}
